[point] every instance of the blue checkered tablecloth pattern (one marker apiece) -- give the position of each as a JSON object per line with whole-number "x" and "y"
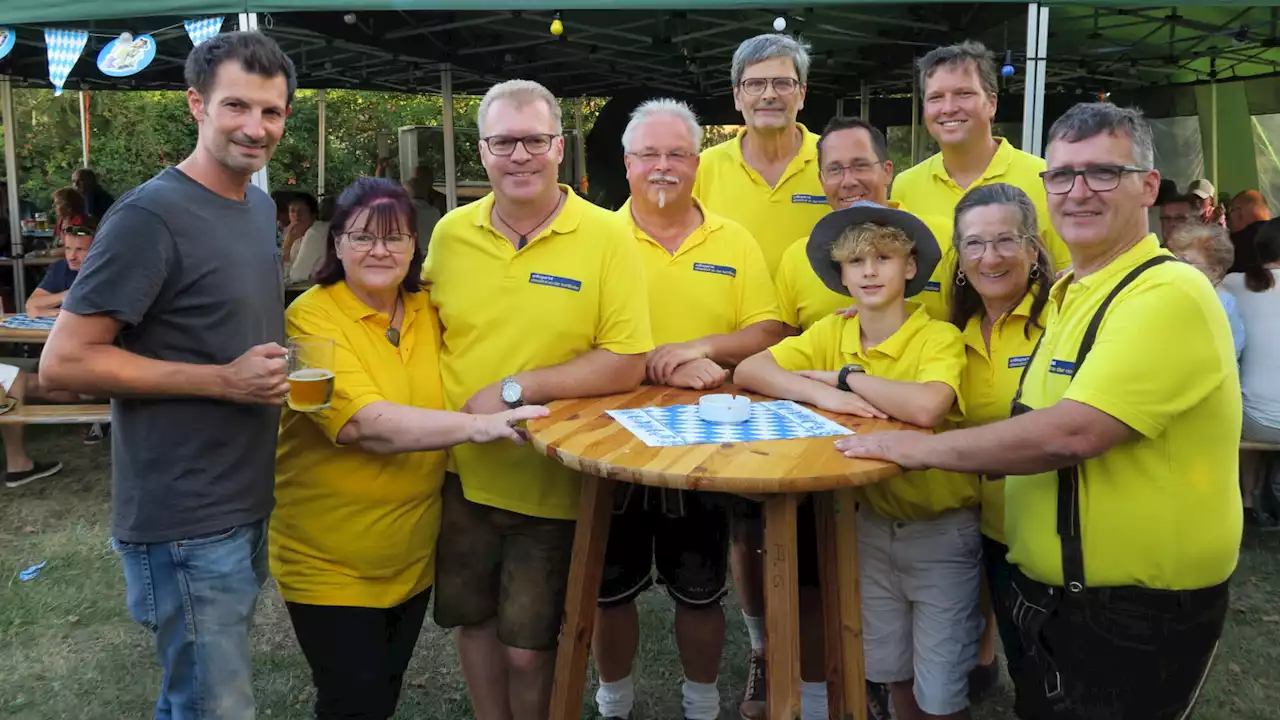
{"x": 681, "y": 425}
{"x": 64, "y": 48}
{"x": 201, "y": 29}
{"x": 22, "y": 321}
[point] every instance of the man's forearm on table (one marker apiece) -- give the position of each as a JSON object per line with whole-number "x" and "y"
{"x": 594, "y": 373}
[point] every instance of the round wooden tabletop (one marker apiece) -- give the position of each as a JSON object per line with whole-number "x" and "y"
{"x": 580, "y": 435}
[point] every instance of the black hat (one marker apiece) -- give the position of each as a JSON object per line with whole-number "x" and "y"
{"x": 829, "y": 229}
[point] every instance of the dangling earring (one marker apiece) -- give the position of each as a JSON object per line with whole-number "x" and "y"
{"x": 960, "y": 279}
{"x": 1035, "y": 272}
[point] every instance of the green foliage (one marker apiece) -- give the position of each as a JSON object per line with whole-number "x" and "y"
{"x": 136, "y": 134}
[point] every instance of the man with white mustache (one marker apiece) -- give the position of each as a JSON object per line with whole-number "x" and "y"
{"x": 711, "y": 305}
{"x": 959, "y": 90}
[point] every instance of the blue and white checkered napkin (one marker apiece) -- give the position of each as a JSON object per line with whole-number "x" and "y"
{"x": 22, "y": 321}
{"x": 201, "y": 29}
{"x": 64, "y": 48}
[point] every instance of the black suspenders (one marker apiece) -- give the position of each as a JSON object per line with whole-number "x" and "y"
{"x": 1069, "y": 477}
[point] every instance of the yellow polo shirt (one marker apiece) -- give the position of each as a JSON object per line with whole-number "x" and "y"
{"x": 989, "y": 383}
{"x": 922, "y": 350}
{"x": 715, "y": 283}
{"x": 576, "y": 287}
{"x": 927, "y": 188}
{"x": 352, "y": 528}
{"x": 1162, "y": 510}
{"x": 774, "y": 216}
{"x": 804, "y": 299}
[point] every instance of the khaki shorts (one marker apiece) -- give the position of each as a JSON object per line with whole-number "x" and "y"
{"x": 493, "y": 563}
{"x": 920, "y": 618}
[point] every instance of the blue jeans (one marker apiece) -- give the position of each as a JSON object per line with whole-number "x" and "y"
{"x": 197, "y": 597}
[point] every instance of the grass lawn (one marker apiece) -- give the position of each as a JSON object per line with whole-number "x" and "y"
{"x": 69, "y": 650}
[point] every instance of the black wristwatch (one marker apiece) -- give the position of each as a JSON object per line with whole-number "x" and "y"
{"x": 842, "y": 381}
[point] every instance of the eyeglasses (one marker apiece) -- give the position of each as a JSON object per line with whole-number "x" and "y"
{"x": 78, "y": 231}
{"x": 1098, "y": 178}
{"x": 650, "y": 158}
{"x": 974, "y": 248}
{"x": 504, "y": 145}
{"x": 395, "y": 244}
{"x": 781, "y": 85}
{"x": 833, "y": 173}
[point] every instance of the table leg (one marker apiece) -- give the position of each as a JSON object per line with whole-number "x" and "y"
{"x": 782, "y": 607}
{"x": 595, "y": 511}
{"x": 844, "y": 521}
{"x": 828, "y": 577}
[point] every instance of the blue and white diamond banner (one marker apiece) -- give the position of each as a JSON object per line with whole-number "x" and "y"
{"x": 202, "y": 29}
{"x": 64, "y": 48}
{"x": 7, "y": 40}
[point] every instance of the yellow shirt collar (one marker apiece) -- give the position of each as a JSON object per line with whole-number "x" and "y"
{"x": 566, "y": 222}
{"x": 356, "y": 310}
{"x": 998, "y": 166}
{"x": 710, "y": 223}
{"x": 1147, "y": 247}
{"x": 895, "y": 344}
{"x": 973, "y": 328}
{"x": 808, "y": 146}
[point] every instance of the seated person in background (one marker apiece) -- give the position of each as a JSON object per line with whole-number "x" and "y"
{"x": 68, "y": 208}
{"x": 20, "y": 469}
{"x": 1175, "y": 211}
{"x": 918, "y": 536}
{"x": 1205, "y": 204}
{"x": 1208, "y": 249}
{"x": 302, "y": 215}
{"x": 311, "y": 248}
{"x": 46, "y": 300}
{"x": 1247, "y": 213}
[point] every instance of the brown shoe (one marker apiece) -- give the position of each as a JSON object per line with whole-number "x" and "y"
{"x": 753, "y": 705}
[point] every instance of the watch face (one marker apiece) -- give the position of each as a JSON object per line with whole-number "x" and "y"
{"x": 510, "y": 393}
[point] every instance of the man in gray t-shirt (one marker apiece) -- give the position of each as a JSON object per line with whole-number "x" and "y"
{"x": 178, "y": 316}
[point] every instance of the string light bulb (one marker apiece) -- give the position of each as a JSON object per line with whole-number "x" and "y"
{"x": 779, "y": 23}
{"x": 1007, "y": 69}
{"x": 557, "y": 26}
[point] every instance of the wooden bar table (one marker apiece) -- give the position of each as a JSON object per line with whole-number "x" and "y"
{"x": 580, "y": 435}
{"x": 37, "y": 336}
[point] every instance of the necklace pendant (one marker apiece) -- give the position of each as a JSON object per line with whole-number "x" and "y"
{"x": 393, "y": 336}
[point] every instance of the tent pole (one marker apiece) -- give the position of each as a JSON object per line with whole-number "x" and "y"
{"x": 915, "y": 113}
{"x": 450, "y": 162}
{"x": 580, "y": 149}
{"x": 1213, "y": 134}
{"x": 864, "y": 99}
{"x": 320, "y": 154}
{"x": 1033, "y": 93}
{"x": 249, "y": 21}
{"x": 7, "y": 118}
{"x": 840, "y": 107}
{"x": 84, "y": 129}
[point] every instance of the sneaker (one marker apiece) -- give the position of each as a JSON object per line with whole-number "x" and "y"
{"x": 878, "y": 701}
{"x": 37, "y": 471}
{"x": 983, "y": 680}
{"x": 1259, "y": 521}
{"x": 753, "y": 700}
{"x": 94, "y": 434}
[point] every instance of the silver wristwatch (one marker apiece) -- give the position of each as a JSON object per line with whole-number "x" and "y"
{"x": 512, "y": 393}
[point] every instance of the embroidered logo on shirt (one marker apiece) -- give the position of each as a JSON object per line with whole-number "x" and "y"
{"x": 1019, "y": 361}
{"x": 810, "y": 199}
{"x": 1062, "y": 367}
{"x": 553, "y": 281}
{"x": 717, "y": 269}
{"x": 933, "y": 286}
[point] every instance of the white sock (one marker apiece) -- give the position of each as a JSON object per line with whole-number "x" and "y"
{"x": 616, "y": 699}
{"x": 755, "y": 630}
{"x": 701, "y": 700}
{"x": 813, "y": 701}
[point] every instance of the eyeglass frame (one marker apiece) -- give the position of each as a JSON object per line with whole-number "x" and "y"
{"x": 1022, "y": 240}
{"x": 520, "y": 142}
{"x": 410, "y": 237}
{"x": 79, "y": 231}
{"x": 771, "y": 82}
{"x": 1121, "y": 171}
{"x": 672, "y": 156}
{"x": 822, "y": 171}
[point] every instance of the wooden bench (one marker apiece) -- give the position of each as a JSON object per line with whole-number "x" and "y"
{"x": 1259, "y": 446}
{"x": 57, "y": 415}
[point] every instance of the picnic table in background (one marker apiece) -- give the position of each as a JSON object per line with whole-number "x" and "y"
{"x": 22, "y": 328}
{"x": 583, "y": 436}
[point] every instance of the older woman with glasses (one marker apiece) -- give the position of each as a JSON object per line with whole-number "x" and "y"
{"x": 358, "y": 483}
{"x": 999, "y": 300}
{"x": 1208, "y": 249}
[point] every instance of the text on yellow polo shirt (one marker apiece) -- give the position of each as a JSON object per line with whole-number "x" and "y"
{"x": 928, "y": 189}
{"x": 922, "y": 350}
{"x": 352, "y": 528}
{"x": 989, "y": 383}
{"x": 1162, "y": 510}
{"x": 774, "y": 216}
{"x": 715, "y": 283}
{"x": 804, "y": 299}
{"x": 576, "y": 287}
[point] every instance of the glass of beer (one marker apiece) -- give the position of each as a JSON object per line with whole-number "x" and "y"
{"x": 310, "y": 373}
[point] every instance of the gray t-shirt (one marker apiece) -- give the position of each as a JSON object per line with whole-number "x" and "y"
{"x": 195, "y": 278}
